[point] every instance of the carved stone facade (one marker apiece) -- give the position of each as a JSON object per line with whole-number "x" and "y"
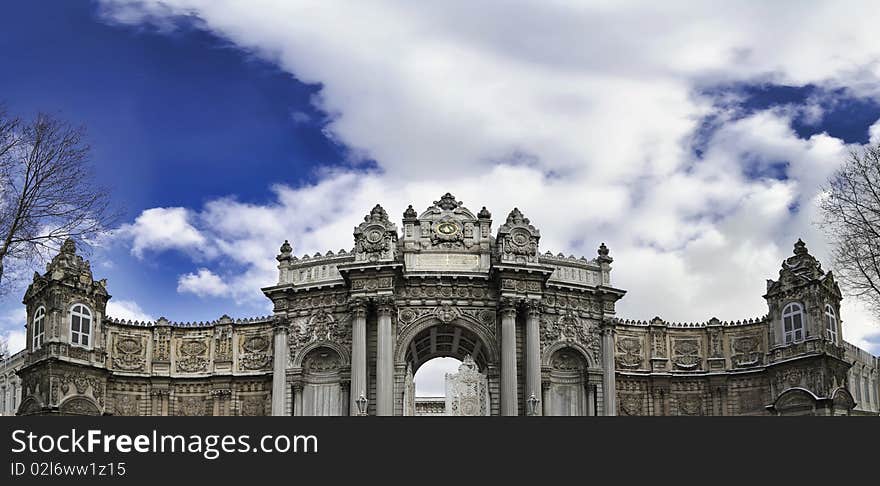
{"x": 538, "y": 333}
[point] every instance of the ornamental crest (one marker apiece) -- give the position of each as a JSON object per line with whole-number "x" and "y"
{"x": 686, "y": 353}
{"x": 629, "y": 352}
{"x": 746, "y": 351}
{"x": 129, "y": 353}
{"x": 192, "y": 355}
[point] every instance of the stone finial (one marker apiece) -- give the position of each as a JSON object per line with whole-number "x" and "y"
{"x": 410, "y": 213}
{"x": 484, "y": 214}
{"x": 447, "y": 202}
{"x": 68, "y": 247}
{"x": 800, "y": 248}
{"x": 603, "y": 254}
{"x": 516, "y": 217}
{"x": 377, "y": 214}
{"x": 286, "y": 251}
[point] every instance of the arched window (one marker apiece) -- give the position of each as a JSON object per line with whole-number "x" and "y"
{"x": 831, "y": 323}
{"x": 80, "y": 325}
{"x": 793, "y": 323}
{"x": 38, "y": 327}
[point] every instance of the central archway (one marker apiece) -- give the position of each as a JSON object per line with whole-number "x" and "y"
{"x": 460, "y": 339}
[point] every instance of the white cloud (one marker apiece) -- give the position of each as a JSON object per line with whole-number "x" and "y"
{"x": 163, "y": 229}
{"x": 12, "y": 325}
{"x": 15, "y": 341}
{"x": 128, "y": 310}
{"x": 204, "y": 284}
{"x": 581, "y": 115}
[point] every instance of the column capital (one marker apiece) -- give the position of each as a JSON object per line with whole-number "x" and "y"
{"x": 507, "y": 305}
{"x": 280, "y": 322}
{"x": 358, "y": 307}
{"x": 532, "y": 306}
{"x": 385, "y": 305}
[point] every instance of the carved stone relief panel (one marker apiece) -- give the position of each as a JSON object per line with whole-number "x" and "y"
{"x": 320, "y": 326}
{"x": 129, "y": 352}
{"x": 255, "y": 351}
{"x": 658, "y": 343}
{"x": 746, "y": 351}
{"x": 253, "y": 405}
{"x": 632, "y": 404}
{"x": 690, "y": 404}
{"x": 192, "y": 355}
{"x": 628, "y": 351}
{"x": 686, "y": 354}
{"x": 223, "y": 343}
{"x": 126, "y": 404}
{"x": 191, "y": 406}
{"x": 569, "y": 327}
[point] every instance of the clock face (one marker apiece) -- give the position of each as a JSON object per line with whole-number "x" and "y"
{"x": 447, "y": 228}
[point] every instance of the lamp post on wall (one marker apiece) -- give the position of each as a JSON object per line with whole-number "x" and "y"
{"x": 533, "y": 404}
{"x": 362, "y": 404}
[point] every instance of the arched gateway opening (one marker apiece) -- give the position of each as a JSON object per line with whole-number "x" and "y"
{"x": 461, "y": 355}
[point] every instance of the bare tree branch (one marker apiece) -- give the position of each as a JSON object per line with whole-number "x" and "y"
{"x": 851, "y": 210}
{"x": 47, "y": 192}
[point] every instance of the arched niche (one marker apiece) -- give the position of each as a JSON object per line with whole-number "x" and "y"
{"x": 322, "y": 373}
{"x": 567, "y": 392}
{"x": 79, "y": 406}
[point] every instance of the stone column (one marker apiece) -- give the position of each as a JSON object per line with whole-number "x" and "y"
{"x": 279, "y": 371}
{"x": 533, "y": 354}
{"x": 297, "y": 387}
{"x": 358, "y": 355}
{"x": 508, "y": 360}
{"x": 384, "y": 363}
{"x": 609, "y": 385}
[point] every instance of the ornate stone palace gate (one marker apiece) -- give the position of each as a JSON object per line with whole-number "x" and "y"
{"x": 360, "y": 324}
{"x": 538, "y": 333}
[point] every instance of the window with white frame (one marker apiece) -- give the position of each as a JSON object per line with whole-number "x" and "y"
{"x": 80, "y": 325}
{"x": 793, "y": 323}
{"x": 38, "y": 327}
{"x": 831, "y": 323}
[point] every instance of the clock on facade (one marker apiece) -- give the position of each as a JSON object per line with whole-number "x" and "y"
{"x": 447, "y": 228}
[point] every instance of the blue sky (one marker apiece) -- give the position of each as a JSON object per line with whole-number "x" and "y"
{"x": 224, "y": 128}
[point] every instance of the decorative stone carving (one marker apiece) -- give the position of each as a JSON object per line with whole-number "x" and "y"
{"x": 567, "y": 360}
{"x": 322, "y": 361}
{"x": 746, "y": 351}
{"x": 690, "y": 405}
{"x": 629, "y": 352}
{"x": 467, "y": 390}
{"x": 129, "y": 353}
{"x": 658, "y": 343}
{"x": 161, "y": 343}
{"x": 518, "y": 239}
{"x": 569, "y": 327}
{"x": 191, "y": 406}
{"x": 321, "y": 326}
{"x": 686, "y": 354}
{"x": 79, "y": 406}
{"x": 83, "y": 383}
{"x": 192, "y": 355}
{"x": 715, "y": 350}
{"x": 126, "y": 405}
{"x": 376, "y": 238}
{"x": 253, "y": 405}
{"x": 255, "y": 352}
{"x": 223, "y": 342}
{"x": 631, "y": 404}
